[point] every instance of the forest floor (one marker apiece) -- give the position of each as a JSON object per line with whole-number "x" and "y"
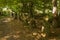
{"x": 15, "y": 30}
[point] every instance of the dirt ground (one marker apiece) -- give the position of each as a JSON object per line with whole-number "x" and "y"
{"x": 15, "y": 30}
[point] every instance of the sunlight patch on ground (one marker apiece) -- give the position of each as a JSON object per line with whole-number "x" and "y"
{"x": 8, "y": 20}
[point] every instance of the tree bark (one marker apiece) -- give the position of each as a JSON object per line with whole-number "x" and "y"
{"x": 54, "y": 3}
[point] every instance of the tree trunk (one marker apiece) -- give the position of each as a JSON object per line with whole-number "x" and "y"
{"x": 55, "y": 18}
{"x": 54, "y": 2}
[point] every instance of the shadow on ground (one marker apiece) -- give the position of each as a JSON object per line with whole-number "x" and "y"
{"x": 15, "y": 30}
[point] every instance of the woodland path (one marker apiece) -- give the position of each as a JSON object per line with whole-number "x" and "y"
{"x": 15, "y": 30}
